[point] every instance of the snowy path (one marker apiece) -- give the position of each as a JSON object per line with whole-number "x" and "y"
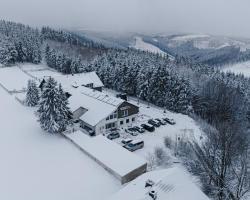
{"x": 35, "y": 165}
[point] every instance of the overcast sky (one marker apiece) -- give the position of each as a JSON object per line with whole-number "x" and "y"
{"x": 220, "y": 17}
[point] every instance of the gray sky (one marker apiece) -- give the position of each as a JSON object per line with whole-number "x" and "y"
{"x": 221, "y": 17}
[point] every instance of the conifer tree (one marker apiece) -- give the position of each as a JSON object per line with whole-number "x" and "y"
{"x": 65, "y": 115}
{"x": 54, "y": 113}
{"x": 32, "y": 95}
{"x": 49, "y": 107}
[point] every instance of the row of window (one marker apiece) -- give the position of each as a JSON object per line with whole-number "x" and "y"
{"x": 112, "y": 116}
{"x": 127, "y": 121}
{"x": 124, "y": 113}
{"x": 110, "y": 125}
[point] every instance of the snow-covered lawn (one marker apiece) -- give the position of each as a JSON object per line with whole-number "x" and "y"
{"x": 13, "y": 78}
{"x": 36, "y": 165}
{"x": 239, "y": 68}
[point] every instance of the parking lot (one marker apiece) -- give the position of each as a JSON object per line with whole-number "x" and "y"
{"x": 184, "y": 128}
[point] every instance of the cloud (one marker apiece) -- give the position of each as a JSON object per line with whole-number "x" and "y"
{"x": 224, "y": 17}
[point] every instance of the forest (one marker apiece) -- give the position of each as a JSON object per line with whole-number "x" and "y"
{"x": 218, "y": 101}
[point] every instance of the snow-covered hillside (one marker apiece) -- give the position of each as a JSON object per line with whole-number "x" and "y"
{"x": 36, "y": 165}
{"x": 239, "y": 68}
{"x": 43, "y": 166}
{"x": 202, "y": 41}
{"x": 141, "y": 45}
{"x": 144, "y": 46}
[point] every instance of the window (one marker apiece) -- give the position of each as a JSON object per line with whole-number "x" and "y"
{"x": 110, "y": 125}
{"x": 121, "y": 122}
{"x": 111, "y": 117}
{"x": 133, "y": 119}
{"x": 127, "y": 120}
{"x": 124, "y": 113}
{"x": 107, "y": 118}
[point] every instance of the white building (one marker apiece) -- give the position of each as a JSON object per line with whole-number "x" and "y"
{"x": 89, "y": 79}
{"x": 98, "y": 112}
{"x": 121, "y": 163}
{"x": 167, "y": 184}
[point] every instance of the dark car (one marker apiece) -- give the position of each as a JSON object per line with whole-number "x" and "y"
{"x": 148, "y": 127}
{"x": 126, "y": 141}
{"x": 154, "y": 123}
{"x": 169, "y": 121}
{"x": 113, "y": 135}
{"x": 134, "y": 145}
{"x": 162, "y": 122}
{"x": 139, "y": 129}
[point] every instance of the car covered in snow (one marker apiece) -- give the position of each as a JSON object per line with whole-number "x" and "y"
{"x": 131, "y": 131}
{"x": 135, "y": 145}
{"x": 139, "y": 129}
{"x": 169, "y": 121}
{"x": 126, "y": 141}
{"x": 161, "y": 121}
{"x": 154, "y": 123}
{"x": 113, "y": 135}
{"x": 148, "y": 127}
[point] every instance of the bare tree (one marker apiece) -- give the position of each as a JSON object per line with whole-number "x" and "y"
{"x": 223, "y": 160}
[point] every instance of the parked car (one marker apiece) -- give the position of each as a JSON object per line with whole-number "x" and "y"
{"x": 169, "y": 121}
{"x": 126, "y": 141}
{"x": 139, "y": 129}
{"x": 122, "y": 96}
{"x": 162, "y": 122}
{"x": 131, "y": 131}
{"x": 154, "y": 123}
{"x": 113, "y": 135}
{"x": 134, "y": 145}
{"x": 148, "y": 127}
{"x": 91, "y": 133}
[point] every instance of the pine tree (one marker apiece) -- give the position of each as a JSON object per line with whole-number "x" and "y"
{"x": 32, "y": 95}
{"x": 54, "y": 113}
{"x": 48, "y": 111}
{"x": 65, "y": 116}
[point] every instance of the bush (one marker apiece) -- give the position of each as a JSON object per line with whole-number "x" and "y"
{"x": 168, "y": 142}
{"x": 151, "y": 161}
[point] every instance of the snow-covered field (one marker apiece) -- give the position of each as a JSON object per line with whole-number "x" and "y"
{"x": 189, "y": 37}
{"x": 144, "y": 46}
{"x": 239, "y": 68}
{"x": 36, "y": 165}
{"x": 13, "y": 78}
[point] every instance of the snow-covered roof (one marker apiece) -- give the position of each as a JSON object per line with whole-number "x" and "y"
{"x": 99, "y": 105}
{"x": 85, "y": 79}
{"x": 173, "y": 184}
{"x": 110, "y": 154}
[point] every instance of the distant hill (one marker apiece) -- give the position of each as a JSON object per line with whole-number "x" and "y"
{"x": 206, "y": 49}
